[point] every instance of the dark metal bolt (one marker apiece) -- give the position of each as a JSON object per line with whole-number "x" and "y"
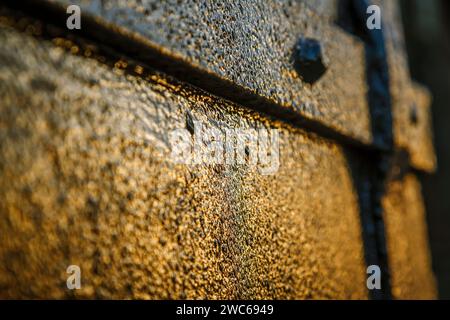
{"x": 309, "y": 60}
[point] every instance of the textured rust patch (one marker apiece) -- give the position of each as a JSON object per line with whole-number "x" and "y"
{"x": 86, "y": 179}
{"x": 407, "y": 240}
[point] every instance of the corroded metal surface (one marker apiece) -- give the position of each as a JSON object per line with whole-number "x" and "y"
{"x": 86, "y": 175}
{"x": 251, "y": 44}
{"x": 407, "y": 239}
{"x": 411, "y": 102}
{"x": 86, "y": 178}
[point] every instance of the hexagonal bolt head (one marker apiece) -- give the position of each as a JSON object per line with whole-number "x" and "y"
{"x": 308, "y": 60}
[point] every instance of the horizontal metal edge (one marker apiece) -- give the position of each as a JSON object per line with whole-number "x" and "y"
{"x": 248, "y": 47}
{"x": 336, "y": 115}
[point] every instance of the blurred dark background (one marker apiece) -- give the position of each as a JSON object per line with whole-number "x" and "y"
{"x": 427, "y": 32}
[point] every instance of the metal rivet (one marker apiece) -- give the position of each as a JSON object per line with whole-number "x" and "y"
{"x": 309, "y": 60}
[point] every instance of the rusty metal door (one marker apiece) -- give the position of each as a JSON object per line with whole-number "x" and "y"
{"x": 87, "y": 179}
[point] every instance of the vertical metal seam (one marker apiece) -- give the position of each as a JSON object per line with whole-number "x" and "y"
{"x": 379, "y": 99}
